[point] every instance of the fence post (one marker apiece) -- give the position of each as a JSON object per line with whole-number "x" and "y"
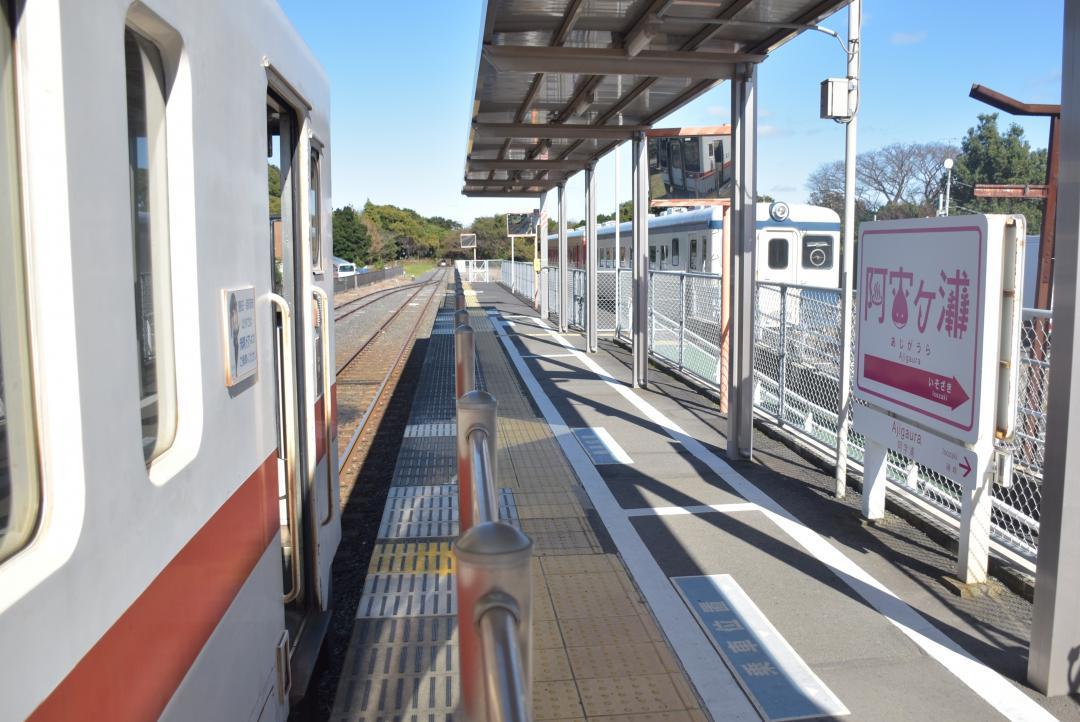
{"x": 783, "y": 351}
{"x": 494, "y": 590}
{"x": 476, "y": 413}
{"x": 652, "y": 326}
{"x": 682, "y": 319}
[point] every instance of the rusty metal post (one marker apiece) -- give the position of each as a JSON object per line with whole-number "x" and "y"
{"x": 464, "y": 360}
{"x": 494, "y": 590}
{"x": 477, "y": 455}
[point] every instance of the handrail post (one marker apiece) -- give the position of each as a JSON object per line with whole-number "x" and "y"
{"x": 464, "y": 360}
{"x": 461, "y": 317}
{"x": 476, "y": 414}
{"x": 682, "y": 319}
{"x": 494, "y": 589}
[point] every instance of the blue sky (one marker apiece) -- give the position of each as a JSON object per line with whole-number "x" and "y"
{"x": 402, "y": 75}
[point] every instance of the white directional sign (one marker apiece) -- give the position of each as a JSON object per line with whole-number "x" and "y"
{"x": 947, "y": 458}
{"x": 923, "y": 319}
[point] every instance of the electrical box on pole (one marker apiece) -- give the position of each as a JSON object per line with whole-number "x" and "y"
{"x": 834, "y": 99}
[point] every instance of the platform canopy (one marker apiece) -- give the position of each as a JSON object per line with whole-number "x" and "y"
{"x": 559, "y": 83}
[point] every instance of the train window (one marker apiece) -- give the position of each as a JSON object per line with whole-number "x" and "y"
{"x": 817, "y": 252}
{"x": 20, "y": 493}
{"x": 674, "y": 251}
{"x": 778, "y": 253}
{"x": 146, "y": 97}
{"x": 652, "y": 256}
{"x": 315, "y": 213}
{"x": 693, "y": 254}
{"x": 622, "y": 255}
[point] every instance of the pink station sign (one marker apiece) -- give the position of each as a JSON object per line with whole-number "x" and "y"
{"x": 922, "y": 318}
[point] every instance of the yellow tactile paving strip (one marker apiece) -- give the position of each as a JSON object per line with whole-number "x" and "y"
{"x": 597, "y": 651}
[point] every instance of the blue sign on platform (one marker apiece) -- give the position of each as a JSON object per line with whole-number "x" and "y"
{"x": 777, "y": 681}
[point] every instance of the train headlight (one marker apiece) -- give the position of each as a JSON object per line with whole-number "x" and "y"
{"x": 779, "y": 211}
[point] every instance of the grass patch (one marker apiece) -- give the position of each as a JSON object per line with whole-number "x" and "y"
{"x": 416, "y": 268}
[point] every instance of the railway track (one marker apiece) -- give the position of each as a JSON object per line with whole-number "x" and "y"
{"x": 374, "y": 296}
{"x": 364, "y": 378}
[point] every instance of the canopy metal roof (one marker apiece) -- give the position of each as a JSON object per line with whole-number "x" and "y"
{"x": 562, "y": 82}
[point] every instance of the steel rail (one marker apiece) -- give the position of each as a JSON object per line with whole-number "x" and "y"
{"x": 366, "y": 416}
{"x": 376, "y": 296}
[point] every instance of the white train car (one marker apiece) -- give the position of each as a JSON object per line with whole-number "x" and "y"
{"x": 796, "y": 244}
{"x": 168, "y": 476}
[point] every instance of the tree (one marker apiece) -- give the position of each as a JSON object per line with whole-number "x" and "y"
{"x": 351, "y": 239}
{"x": 273, "y": 175}
{"x": 988, "y": 156}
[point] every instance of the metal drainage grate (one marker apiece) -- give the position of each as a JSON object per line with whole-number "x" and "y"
{"x": 431, "y": 512}
{"x": 400, "y": 669}
{"x": 446, "y": 428}
{"x": 420, "y": 512}
{"x": 407, "y": 595}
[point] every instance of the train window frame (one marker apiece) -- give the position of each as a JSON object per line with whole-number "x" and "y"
{"x": 775, "y": 258}
{"x": 314, "y": 210}
{"x": 652, "y": 256}
{"x": 807, "y": 261}
{"x": 692, "y": 265}
{"x": 19, "y": 463}
{"x": 674, "y": 252}
{"x": 144, "y": 63}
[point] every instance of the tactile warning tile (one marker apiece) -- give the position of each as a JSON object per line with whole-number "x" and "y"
{"x": 550, "y": 665}
{"x": 581, "y": 564}
{"x": 592, "y": 595}
{"x": 548, "y": 504}
{"x": 627, "y": 695}
{"x": 418, "y": 512}
{"x": 589, "y": 630}
{"x": 405, "y": 595}
{"x": 400, "y": 669}
{"x": 616, "y": 660}
{"x": 425, "y": 461}
{"x": 561, "y": 536}
{"x": 556, "y": 701}
{"x": 412, "y": 558}
{"x": 546, "y": 634}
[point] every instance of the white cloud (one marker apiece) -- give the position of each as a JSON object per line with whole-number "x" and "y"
{"x": 718, "y": 110}
{"x": 907, "y": 38}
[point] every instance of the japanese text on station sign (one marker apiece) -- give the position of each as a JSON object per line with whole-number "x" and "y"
{"x": 919, "y": 315}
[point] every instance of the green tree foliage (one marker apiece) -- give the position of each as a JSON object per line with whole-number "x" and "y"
{"x": 990, "y": 156}
{"x": 274, "y": 181}
{"x": 351, "y": 239}
{"x": 403, "y": 232}
{"x": 626, "y": 213}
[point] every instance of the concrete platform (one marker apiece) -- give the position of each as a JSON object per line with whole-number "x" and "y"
{"x": 865, "y": 610}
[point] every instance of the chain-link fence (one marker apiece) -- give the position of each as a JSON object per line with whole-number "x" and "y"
{"x": 521, "y": 278}
{"x": 578, "y": 301}
{"x": 553, "y": 293}
{"x": 796, "y": 385}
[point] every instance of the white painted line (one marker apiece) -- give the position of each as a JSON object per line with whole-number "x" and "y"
{"x": 722, "y": 695}
{"x": 698, "y": 509}
{"x": 995, "y": 689}
{"x": 547, "y": 355}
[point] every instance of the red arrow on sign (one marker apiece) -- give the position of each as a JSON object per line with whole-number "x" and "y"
{"x": 966, "y": 466}
{"x": 914, "y": 380}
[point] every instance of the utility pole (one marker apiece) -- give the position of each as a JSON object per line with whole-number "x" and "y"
{"x": 847, "y": 282}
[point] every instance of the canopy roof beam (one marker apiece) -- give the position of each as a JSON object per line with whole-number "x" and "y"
{"x": 558, "y": 130}
{"x": 615, "y": 61}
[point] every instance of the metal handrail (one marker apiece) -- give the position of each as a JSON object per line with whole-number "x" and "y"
{"x": 293, "y": 492}
{"x": 494, "y": 573}
{"x": 323, "y": 302}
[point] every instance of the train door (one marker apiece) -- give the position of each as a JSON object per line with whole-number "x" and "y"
{"x": 296, "y": 500}
{"x": 776, "y": 248}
